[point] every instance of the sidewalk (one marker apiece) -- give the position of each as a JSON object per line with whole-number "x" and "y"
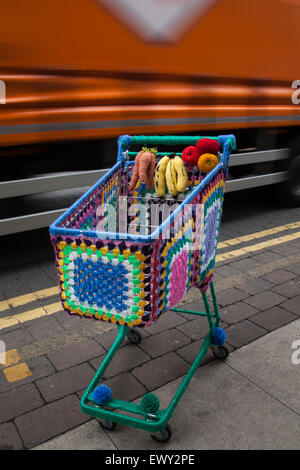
{"x": 250, "y": 401}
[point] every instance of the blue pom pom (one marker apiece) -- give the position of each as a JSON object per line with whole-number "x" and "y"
{"x": 101, "y": 395}
{"x": 219, "y": 336}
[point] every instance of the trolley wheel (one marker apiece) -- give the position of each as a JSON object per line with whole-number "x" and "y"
{"x": 221, "y": 352}
{"x": 107, "y": 425}
{"x": 134, "y": 336}
{"x": 162, "y": 436}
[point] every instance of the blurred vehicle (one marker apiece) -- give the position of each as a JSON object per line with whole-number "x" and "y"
{"x": 80, "y": 73}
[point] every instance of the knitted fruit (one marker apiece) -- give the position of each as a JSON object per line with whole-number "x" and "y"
{"x": 159, "y": 176}
{"x": 207, "y": 162}
{"x": 207, "y": 146}
{"x": 190, "y": 155}
{"x": 143, "y": 169}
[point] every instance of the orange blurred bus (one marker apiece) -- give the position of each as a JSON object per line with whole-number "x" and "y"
{"x": 78, "y": 73}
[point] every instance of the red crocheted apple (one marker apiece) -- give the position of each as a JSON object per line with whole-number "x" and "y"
{"x": 208, "y": 146}
{"x": 190, "y": 155}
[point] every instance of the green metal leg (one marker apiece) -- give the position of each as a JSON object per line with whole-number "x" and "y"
{"x": 207, "y": 313}
{"x": 100, "y": 372}
{"x": 215, "y": 303}
{"x": 140, "y": 419}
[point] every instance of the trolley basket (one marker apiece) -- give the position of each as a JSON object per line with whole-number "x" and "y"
{"x": 128, "y": 257}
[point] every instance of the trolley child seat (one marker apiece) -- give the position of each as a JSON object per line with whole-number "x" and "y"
{"x": 128, "y": 256}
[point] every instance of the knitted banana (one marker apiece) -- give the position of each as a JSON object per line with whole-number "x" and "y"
{"x": 171, "y": 178}
{"x": 159, "y": 176}
{"x": 182, "y": 176}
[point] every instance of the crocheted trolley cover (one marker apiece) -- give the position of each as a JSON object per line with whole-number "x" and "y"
{"x": 133, "y": 274}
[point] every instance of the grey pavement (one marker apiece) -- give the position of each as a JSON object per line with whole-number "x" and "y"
{"x": 249, "y": 401}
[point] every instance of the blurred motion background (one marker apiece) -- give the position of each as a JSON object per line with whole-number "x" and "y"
{"x": 79, "y": 73}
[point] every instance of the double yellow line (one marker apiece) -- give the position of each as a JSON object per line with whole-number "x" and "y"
{"x": 56, "y": 307}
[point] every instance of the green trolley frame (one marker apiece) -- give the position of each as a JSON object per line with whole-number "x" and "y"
{"x": 78, "y": 225}
{"x": 156, "y": 424}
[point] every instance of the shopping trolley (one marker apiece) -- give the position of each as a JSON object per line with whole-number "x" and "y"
{"x": 128, "y": 257}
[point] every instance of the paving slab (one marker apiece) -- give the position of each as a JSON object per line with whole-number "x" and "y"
{"x": 197, "y": 328}
{"x": 221, "y": 409}
{"x": 243, "y": 333}
{"x": 47, "y": 422}
{"x": 273, "y": 318}
{"x": 292, "y": 305}
{"x": 237, "y": 312}
{"x": 88, "y": 436}
{"x": 231, "y": 296}
{"x": 16, "y": 338}
{"x": 18, "y": 401}
{"x": 39, "y": 367}
{"x": 106, "y": 339}
{"x": 168, "y": 320}
{"x": 255, "y": 285}
{"x": 164, "y": 342}
{"x": 279, "y": 276}
{"x": 268, "y": 363}
{"x": 44, "y": 327}
{"x": 265, "y": 300}
{"x": 288, "y": 289}
{"x": 245, "y": 264}
{"x": 124, "y": 359}
{"x": 295, "y": 268}
{"x": 63, "y": 383}
{"x": 9, "y": 437}
{"x": 75, "y": 354}
{"x": 125, "y": 387}
{"x": 160, "y": 370}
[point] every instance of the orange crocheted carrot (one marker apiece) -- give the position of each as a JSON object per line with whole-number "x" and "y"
{"x": 146, "y": 168}
{"x": 150, "y": 172}
{"x": 143, "y": 169}
{"x": 135, "y": 174}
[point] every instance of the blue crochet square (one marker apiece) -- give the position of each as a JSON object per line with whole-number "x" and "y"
{"x": 105, "y": 285}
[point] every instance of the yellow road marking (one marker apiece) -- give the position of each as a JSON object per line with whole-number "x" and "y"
{"x": 53, "y": 308}
{"x": 56, "y": 307}
{"x": 257, "y": 247}
{"x": 261, "y": 234}
{"x": 4, "y": 305}
{"x": 25, "y": 299}
{"x": 18, "y": 372}
{"x": 11, "y": 357}
{"x": 30, "y": 315}
{"x": 41, "y": 294}
{"x": 13, "y": 369}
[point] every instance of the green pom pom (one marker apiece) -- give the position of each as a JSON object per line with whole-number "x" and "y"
{"x": 150, "y": 403}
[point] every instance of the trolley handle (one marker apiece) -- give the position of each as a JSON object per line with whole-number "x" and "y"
{"x": 227, "y": 142}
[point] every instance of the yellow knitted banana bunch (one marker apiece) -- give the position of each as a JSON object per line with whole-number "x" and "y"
{"x": 171, "y": 170}
{"x": 181, "y": 173}
{"x": 171, "y": 178}
{"x": 159, "y": 176}
{"x": 176, "y": 176}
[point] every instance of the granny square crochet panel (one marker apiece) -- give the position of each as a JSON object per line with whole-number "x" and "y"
{"x": 132, "y": 282}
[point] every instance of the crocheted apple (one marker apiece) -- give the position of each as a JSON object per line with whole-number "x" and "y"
{"x": 190, "y": 155}
{"x": 208, "y": 146}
